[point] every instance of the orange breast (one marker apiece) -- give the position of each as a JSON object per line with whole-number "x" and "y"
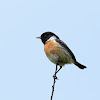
{"x": 51, "y": 48}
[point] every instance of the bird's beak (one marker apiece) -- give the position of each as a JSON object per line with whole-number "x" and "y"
{"x": 38, "y": 37}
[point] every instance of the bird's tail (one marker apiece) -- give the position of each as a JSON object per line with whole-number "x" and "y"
{"x": 79, "y": 65}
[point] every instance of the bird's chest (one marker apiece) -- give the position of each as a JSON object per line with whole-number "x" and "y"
{"x": 51, "y": 48}
{"x": 56, "y": 53}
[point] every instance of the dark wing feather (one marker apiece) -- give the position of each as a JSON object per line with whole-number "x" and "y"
{"x": 66, "y": 48}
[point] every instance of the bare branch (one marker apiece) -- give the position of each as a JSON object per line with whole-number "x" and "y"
{"x": 55, "y": 78}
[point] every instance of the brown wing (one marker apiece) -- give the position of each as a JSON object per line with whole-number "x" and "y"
{"x": 66, "y": 48}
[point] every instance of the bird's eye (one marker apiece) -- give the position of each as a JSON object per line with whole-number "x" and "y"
{"x": 45, "y": 36}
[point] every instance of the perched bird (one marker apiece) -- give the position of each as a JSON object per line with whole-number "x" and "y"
{"x": 57, "y": 51}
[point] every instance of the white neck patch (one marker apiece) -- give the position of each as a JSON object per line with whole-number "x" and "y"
{"x": 52, "y": 38}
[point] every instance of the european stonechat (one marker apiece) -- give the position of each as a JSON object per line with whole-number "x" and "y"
{"x": 57, "y": 51}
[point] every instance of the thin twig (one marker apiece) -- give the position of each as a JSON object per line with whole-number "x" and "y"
{"x": 55, "y": 78}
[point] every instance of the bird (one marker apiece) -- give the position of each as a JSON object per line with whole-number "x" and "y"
{"x": 57, "y": 51}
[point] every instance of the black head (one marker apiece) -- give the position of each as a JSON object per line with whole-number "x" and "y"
{"x": 46, "y": 35}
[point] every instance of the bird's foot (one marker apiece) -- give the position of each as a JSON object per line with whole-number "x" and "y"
{"x": 55, "y": 77}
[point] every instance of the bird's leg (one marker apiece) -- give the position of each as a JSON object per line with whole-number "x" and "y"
{"x": 59, "y": 69}
{"x": 55, "y": 72}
